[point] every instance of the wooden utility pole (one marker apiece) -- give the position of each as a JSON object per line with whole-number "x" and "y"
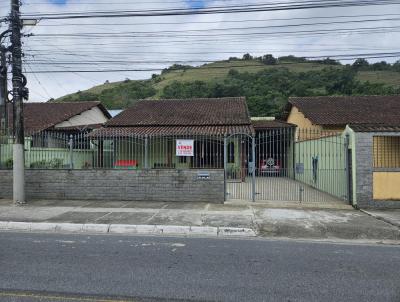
{"x": 18, "y": 96}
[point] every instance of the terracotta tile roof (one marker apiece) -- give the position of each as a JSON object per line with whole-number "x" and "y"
{"x": 171, "y": 130}
{"x": 42, "y": 116}
{"x": 343, "y": 110}
{"x": 270, "y": 124}
{"x": 375, "y": 128}
{"x": 187, "y": 112}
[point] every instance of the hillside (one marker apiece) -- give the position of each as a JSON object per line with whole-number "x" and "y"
{"x": 266, "y": 82}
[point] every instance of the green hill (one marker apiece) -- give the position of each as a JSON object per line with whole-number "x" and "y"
{"x": 265, "y": 81}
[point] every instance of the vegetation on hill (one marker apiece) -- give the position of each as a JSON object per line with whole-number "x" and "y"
{"x": 267, "y": 82}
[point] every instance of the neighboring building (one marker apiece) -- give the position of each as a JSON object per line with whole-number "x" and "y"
{"x": 372, "y": 124}
{"x": 336, "y": 112}
{"x": 44, "y": 123}
{"x": 58, "y": 116}
{"x": 375, "y": 153}
{"x": 48, "y": 127}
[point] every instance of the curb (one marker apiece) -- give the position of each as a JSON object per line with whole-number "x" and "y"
{"x": 381, "y": 218}
{"x": 127, "y": 229}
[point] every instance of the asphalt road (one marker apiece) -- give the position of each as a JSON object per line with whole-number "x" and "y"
{"x": 54, "y": 267}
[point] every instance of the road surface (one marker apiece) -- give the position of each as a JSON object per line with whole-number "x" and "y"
{"x": 56, "y": 267}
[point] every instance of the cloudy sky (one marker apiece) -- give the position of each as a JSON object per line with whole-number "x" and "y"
{"x": 63, "y": 48}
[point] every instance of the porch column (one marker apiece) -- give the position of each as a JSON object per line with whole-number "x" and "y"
{"x": 100, "y": 154}
{"x": 253, "y": 165}
{"x": 225, "y": 165}
{"x": 146, "y": 152}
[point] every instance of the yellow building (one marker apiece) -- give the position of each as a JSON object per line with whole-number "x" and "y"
{"x": 372, "y": 124}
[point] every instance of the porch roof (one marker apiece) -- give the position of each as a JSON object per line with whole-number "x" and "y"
{"x": 172, "y": 130}
{"x": 374, "y": 128}
{"x": 261, "y": 124}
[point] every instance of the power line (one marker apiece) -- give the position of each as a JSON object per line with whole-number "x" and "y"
{"x": 182, "y": 12}
{"x": 246, "y": 34}
{"x": 240, "y": 28}
{"x": 214, "y": 22}
{"x": 346, "y": 57}
{"x": 196, "y": 61}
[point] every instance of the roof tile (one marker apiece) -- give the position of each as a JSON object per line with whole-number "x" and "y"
{"x": 184, "y": 112}
{"x": 42, "y": 116}
{"x": 343, "y": 110}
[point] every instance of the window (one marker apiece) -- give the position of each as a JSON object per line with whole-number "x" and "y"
{"x": 386, "y": 151}
{"x": 231, "y": 152}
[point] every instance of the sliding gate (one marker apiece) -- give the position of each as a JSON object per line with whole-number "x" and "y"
{"x": 287, "y": 164}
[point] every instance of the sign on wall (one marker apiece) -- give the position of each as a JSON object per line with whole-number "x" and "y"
{"x": 184, "y": 147}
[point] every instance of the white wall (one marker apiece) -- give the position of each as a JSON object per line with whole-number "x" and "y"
{"x": 89, "y": 117}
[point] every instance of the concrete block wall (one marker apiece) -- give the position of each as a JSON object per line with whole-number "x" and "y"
{"x": 364, "y": 172}
{"x": 124, "y": 185}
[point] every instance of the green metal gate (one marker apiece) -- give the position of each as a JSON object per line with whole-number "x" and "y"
{"x": 287, "y": 164}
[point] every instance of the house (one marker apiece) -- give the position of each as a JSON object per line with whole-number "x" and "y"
{"x": 60, "y": 116}
{"x": 334, "y": 113}
{"x": 159, "y": 125}
{"x": 372, "y": 127}
{"x": 48, "y": 127}
{"x": 58, "y": 119}
{"x": 375, "y": 157}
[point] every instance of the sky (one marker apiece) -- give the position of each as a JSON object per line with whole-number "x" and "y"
{"x": 157, "y": 42}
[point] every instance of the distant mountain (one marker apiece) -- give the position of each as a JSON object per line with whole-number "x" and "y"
{"x": 267, "y": 82}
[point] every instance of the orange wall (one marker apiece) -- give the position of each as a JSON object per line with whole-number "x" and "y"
{"x": 313, "y": 131}
{"x": 386, "y": 186}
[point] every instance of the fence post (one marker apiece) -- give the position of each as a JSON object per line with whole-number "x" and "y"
{"x": 71, "y": 152}
{"x": 146, "y": 152}
{"x": 225, "y": 166}
{"x": 347, "y": 167}
{"x": 253, "y": 157}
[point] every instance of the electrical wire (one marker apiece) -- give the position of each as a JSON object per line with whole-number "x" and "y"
{"x": 219, "y": 10}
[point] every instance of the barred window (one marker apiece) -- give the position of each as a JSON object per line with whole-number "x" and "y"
{"x": 386, "y": 151}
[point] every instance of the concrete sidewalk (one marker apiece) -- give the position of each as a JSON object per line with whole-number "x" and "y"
{"x": 308, "y": 221}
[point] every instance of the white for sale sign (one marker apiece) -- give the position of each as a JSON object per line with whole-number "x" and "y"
{"x": 184, "y": 147}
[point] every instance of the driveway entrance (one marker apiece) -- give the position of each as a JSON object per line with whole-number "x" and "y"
{"x": 277, "y": 189}
{"x": 290, "y": 164}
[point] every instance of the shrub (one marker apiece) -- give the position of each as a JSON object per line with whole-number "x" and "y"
{"x": 9, "y": 163}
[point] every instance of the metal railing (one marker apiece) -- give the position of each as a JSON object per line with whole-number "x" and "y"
{"x": 115, "y": 150}
{"x": 386, "y": 151}
{"x": 286, "y": 164}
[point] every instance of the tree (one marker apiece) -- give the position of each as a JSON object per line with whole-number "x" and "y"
{"x": 383, "y": 65}
{"x": 360, "y": 64}
{"x": 247, "y": 57}
{"x": 396, "y": 66}
{"x": 269, "y": 59}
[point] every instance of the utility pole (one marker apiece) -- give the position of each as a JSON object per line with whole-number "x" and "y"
{"x": 3, "y": 84}
{"x": 3, "y": 92}
{"x": 18, "y": 96}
